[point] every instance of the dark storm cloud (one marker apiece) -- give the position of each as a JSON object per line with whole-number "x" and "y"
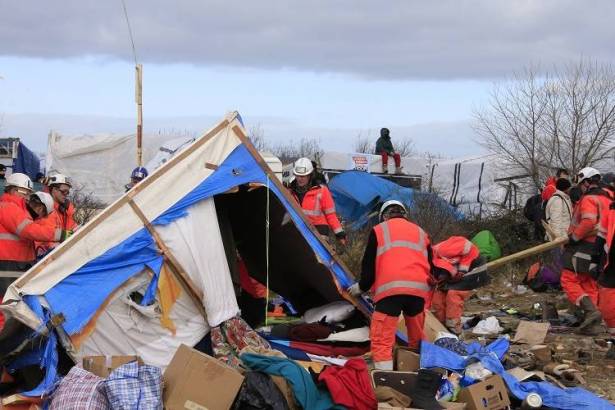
{"x": 397, "y": 39}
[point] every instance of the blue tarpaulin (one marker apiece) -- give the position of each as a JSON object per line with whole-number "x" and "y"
{"x": 27, "y": 162}
{"x": 490, "y": 356}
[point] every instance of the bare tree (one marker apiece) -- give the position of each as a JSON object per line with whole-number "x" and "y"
{"x": 405, "y": 147}
{"x": 561, "y": 119}
{"x": 364, "y": 144}
{"x": 293, "y": 150}
{"x": 86, "y": 205}
{"x": 257, "y": 137}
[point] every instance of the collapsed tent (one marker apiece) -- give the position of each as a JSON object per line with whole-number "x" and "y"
{"x": 157, "y": 268}
{"x": 358, "y": 194}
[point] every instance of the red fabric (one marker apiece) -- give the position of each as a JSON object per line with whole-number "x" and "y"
{"x": 1, "y": 316}
{"x": 350, "y": 386}
{"x": 319, "y": 207}
{"x": 382, "y": 335}
{"x": 458, "y": 251}
{"x": 248, "y": 283}
{"x": 578, "y": 285}
{"x": 401, "y": 260}
{"x": 606, "y": 305}
{"x": 415, "y": 326}
{"x": 323, "y": 349}
{"x": 385, "y": 159}
{"x": 549, "y": 189}
{"x": 18, "y": 232}
{"x": 590, "y": 212}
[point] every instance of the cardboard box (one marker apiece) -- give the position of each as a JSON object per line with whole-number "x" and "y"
{"x": 102, "y": 366}
{"x": 542, "y": 353}
{"x": 196, "y": 381}
{"x": 490, "y": 394}
{"x": 406, "y": 360}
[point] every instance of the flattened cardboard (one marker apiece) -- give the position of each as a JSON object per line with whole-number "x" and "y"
{"x": 531, "y": 333}
{"x": 196, "y": 381}
{"x": 490, "y": 394}
{"x": 406, "y": 360}
{"x": 102, "y": 366}
{"x": 542, "y": 353}
{"x": 523, "y": 375}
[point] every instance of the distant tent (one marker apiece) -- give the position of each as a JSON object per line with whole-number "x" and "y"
{"x": 488, "y": 245}
{"x": 157, "y": 267}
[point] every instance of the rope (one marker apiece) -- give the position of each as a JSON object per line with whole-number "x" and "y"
{"x": 267, "y": 253}
{"x": 132, "y": 42}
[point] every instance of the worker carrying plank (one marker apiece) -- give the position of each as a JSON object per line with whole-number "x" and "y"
{"x": 581, "y": 258}
{"x": 452, "y": 259}
{"x": 396, "y": 267}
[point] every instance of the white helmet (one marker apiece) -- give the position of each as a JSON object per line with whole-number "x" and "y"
{"x": 586, "y": 173}
{"x": 58, "y": 179}
{"x": 303, "y": 167}
{"x": 46, "y": 199}
{"x": 19, "y": 180}
{"x": 390, "y": 203}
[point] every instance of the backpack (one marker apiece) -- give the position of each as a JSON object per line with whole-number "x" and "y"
{"x": 534, "y": 209}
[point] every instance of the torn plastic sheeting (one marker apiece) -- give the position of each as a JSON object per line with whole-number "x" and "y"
{"x": 490, "y": 356}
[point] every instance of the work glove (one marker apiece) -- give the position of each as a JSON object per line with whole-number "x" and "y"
{"x": 355, "y": 290}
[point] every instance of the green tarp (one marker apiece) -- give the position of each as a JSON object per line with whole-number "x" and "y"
{"x": 488, "y": 246}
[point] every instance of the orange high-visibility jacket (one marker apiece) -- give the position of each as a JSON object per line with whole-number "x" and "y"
{"x": 18, "y": 232}
{"x": 591, "y": 212}
{"x": 402, "y": 264}
{"x": 319, "y": 207}
{"x": 458, "y": 252}
{"x": 65, "y": 221}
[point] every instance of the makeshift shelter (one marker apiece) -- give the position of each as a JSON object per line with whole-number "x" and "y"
{"x": 157, "y": 267}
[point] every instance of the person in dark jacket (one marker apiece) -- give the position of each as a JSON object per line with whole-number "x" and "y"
{"x": 384, "y": 148}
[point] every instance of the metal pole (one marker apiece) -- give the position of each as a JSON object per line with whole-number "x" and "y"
{"x": 139, "y": 101}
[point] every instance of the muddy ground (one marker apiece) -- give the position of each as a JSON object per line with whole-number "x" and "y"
{"x": 565, "y": 344}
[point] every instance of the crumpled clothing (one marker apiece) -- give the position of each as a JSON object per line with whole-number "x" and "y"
{"x": 309, "y": 332}
{"x": 304, "y": 389}
{"x": 350, "y": 386}
{"x": 233, "y": 335}
{"x": 79, "y": 390}
{"x": 259, "y": 392}
{"x": 134, "y": 387}
{"x": 392, "y": 397}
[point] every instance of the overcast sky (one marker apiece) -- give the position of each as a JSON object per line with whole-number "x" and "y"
{"x": 330, "y": 69}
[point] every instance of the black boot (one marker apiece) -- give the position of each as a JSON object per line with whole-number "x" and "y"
{"x": 591, "y": 317}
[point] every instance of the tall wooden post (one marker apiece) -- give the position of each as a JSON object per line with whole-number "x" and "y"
{"x": 139, "y": 101}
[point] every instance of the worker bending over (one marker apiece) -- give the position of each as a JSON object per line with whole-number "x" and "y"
{"x": 397, "y": 268}
{"x": 452, "y": 259}
{"x": 59, "y": 188}
{"x": 316, "y": 200}
{"x": 581, "y": 258}
{"x": 17, "y": 229}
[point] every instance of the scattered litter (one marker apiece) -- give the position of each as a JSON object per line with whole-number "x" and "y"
{"x": 477, "y": 371}
{"x": 532, "y": 333}
{"x": 489, "y": 326}
{"x": 520, "y": 290}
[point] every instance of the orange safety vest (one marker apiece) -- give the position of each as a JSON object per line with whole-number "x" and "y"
{"x": 458, "y": 252}
{"x": 319, "y": 207}
{"x": 591, "y": 212}
{"x": 65, "y": 221}
{"x": 18, "y": 232}
{"x": 402, "y": 264}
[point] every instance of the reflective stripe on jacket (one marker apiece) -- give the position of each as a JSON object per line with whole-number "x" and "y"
{"x": 319, "y": 207}
{"x": 18, "y": 232}
{"x": 402, "y": 264}
{"x": 458, "y": 251}
{"x": 590, "y": 214}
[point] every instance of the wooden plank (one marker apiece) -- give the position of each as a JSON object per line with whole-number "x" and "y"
{"x": 176, "y": 268}
{"x": 107, "y": 212}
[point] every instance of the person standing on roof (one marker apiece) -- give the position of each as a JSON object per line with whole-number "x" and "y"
{"x": 316, "y": 200}
{"x": 452, "y": 259}
{"x": 17, "y": 229}
{"x": 581, "y": 258}
{"x": 136, "y": 176}
{"x": 59, "y": 188}
{"x": 384, "y": 148}
{"x": 396, "y": 267}
{"x": 550, "y": 188}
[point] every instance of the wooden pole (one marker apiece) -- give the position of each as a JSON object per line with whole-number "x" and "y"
{"x": 139, "y": 101}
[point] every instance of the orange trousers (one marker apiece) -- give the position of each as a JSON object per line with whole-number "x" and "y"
{"x": 448, "y": 306}
{"x": 382, "y": 334}
{"x": 606, "y": 305}
{"x": 578, "y": 285}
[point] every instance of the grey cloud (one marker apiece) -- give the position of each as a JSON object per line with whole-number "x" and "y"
{"x": 396, "y": 39}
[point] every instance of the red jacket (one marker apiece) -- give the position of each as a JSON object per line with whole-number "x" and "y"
{"x": 549, "y": 189}
{"x": 319, "y": 207}
{"x": 458, "y": 252}
{"x": 18, "y": 232}
{"x": 402, "y": 263}
{"x": 65, "y": 220}
{"x": 590, "y": 213}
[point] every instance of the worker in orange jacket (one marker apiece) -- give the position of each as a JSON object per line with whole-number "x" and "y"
{"x": 59, "y": 188}
{"x": 396, "y": 267}
{"x": 42, "y": 209}
{"x": 606, "y": 281}
{"x": 17, "y": 229}
{"x": 452, "y": 259}
{"x": 316, "y": 200}
{"x": 581, "y": 259}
